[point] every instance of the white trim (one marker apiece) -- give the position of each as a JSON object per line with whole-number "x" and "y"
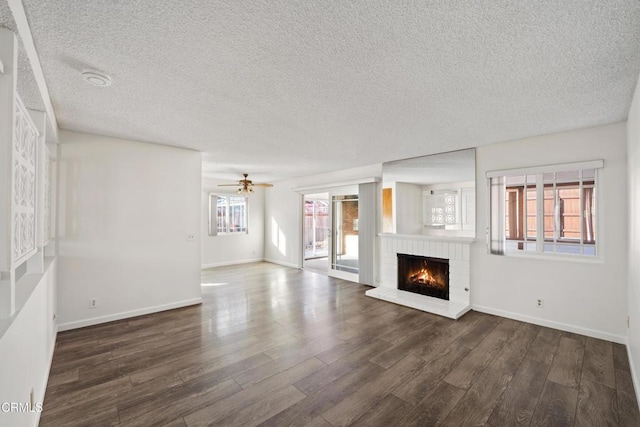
{"x": 450, "y": 239}
{"x": 560, "y": 167}
{"x": 22, "y": 24}
{"x": 318, "y": 187}
{"x": 620, "y": 339}
{"x": 126, "y": 314}
{"x": 634, "y": 373}
{"x": 300, "y": 225}
{"x": 321, "y": 272}
{"x": 283, "y": 263}
{"x": 222, "y": 264}
{"x": 1, "y": 67}
{"x": 344, "y": 275}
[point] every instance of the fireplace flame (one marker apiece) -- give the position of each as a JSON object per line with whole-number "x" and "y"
{"x": 423, "y": 277}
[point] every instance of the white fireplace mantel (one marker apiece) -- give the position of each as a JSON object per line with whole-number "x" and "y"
{"x": 455, "y": 249}
{"x": 454, "y": 239}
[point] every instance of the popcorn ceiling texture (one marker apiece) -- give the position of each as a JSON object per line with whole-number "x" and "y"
{"x": 289, "y": 88}
{"x": 27, "y": 87}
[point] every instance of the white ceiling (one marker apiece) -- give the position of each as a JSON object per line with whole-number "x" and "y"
{"x": 27, "y": 87}
{"x": 290, "y": 88}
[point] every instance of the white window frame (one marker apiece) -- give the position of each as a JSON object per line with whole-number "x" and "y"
{"x": 496, "y": 211}
{"x": 213, "y": 215}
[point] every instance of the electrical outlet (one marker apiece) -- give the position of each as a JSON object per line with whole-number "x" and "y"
{"x": 93, "y": 302}
{"x": 191, "y": 237}
{"x": 539, "y": 303}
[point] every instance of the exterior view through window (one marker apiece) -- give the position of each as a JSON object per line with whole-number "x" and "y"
{"x": 548, "y": 212}
{"x": 231, "y": 214}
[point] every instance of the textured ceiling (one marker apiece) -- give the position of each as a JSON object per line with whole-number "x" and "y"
{"x": 27, "y": 87}
{"x": 290, "y": 88}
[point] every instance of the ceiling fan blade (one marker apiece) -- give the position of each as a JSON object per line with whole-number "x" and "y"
{"x": 246, "y": 183}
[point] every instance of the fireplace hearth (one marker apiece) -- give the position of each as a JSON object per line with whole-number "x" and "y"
{"x": 424, "y": 275}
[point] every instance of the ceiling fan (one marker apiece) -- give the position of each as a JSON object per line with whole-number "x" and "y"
{"x": 246, "y": 185}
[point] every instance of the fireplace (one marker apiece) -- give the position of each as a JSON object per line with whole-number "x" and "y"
{"x": 424, "y": 275}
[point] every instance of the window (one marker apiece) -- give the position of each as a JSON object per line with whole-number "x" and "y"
{"x": 544, "y": 210}
{"x": 227, "y": 214}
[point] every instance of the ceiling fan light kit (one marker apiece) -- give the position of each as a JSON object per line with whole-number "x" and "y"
{"x": 246, "y": 185}
{"x": 245, "y": 191}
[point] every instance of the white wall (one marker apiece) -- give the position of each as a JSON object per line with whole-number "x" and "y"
{"x": 283, "y": 211}
{"x": 232, "y": 248}
{"x": 633, "y": 293}
{"x": 283, "y": 224}
{"x": 26, "y": 349}
{"x": 408, "y": 208}
{"x": 125, "y": 210}
{"x": 588, "y": 298}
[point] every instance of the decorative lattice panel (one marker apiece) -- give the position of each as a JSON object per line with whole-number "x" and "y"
{"x": 25, "y": 141}
{"x": 440, "y": 209}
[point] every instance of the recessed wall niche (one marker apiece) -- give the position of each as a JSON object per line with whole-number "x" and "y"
{"x": 430, "y": 195}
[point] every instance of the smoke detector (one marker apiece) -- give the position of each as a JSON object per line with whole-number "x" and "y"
{"x": 96, "y": 78}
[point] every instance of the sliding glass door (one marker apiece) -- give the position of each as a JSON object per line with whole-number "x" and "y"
{"x": 316, "y": 232}
{"x": 344, "y": 257}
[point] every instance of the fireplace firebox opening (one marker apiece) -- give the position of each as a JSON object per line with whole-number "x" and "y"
{"x": 424, "y": 275}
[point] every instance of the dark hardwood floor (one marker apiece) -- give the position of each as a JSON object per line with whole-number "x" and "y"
{"x": 276, "y": 346}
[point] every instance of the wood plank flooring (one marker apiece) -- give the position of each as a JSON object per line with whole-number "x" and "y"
{"x": 276, "y": 346}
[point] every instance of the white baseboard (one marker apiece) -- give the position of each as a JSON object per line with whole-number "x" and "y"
{"x": 286, "y": 264}
{"x": 126, "y": 314}
{"x": 222, "y": 264}
{"x": 620, "y": 339}
{"x": 634, "y": 374}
